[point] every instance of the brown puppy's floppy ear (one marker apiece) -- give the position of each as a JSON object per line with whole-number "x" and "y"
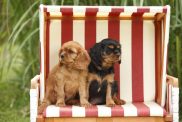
{"x": 59, "y": 54}
{"x": 83, "y": 60}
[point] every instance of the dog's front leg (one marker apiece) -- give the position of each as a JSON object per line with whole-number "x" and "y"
{"x": 83, "y": 93}
{"x": 109, "y": 101}
{"x": 110, "y": 79}
{"x": 60, "y": 95}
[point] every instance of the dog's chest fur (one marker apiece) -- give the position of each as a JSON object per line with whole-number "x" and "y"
{"x": 100, "y": 74}
{"x": 71, "y": 80}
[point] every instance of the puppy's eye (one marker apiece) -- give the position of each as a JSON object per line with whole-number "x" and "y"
{"x": 111, "y": 46}
{"x": 71, "y": 51}
{"x": 118, "y": 46}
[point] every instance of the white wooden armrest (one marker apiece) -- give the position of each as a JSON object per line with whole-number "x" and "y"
{"x": 34, "y": 98}
{"x": 173, "y": 97}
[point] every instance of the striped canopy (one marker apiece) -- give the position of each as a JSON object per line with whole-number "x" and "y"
{"x": 142, "y": 31}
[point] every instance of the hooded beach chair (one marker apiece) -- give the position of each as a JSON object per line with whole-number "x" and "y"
{"x": 150, "y": 94}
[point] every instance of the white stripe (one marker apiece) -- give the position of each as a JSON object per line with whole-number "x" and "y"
{"x": 55, "y": 14}
{"x": 101, "y": 30}
{"x": 104, "y": 111}
{"x": 129, "y": 109}
{"x": 41, "y": 35}
{"x": 103, "y": 11}
{"x": 170, "y": 96}
{"x": 78, "y": 111}
{"x": 79, "y": 11}
{"x": 79, "y": 31}
{"x": 165, "y": 55}
{"x": 52, "y": 111}
{"x": 125, "y": 66}
{"x": 53, "y": 8}
{"x": 156, "y": 9}
{"x": 130, "y": 9}
{"x": 149, "y": 60}
{"x": 54, "y": 42}
{"x": 155, "y": 109}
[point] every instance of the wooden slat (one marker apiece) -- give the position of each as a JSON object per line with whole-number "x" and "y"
{"x": 97, "y": 18}
{"x": 110, "y": 119}
{"x": 158, "y": 60}
{"x": 139, "y": 119}
{"x": 104, "y": 119}
{"x": 160, "y": 16}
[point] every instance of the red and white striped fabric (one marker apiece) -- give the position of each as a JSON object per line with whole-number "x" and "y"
{"x": 136, "y": 75}
{"x": 128, "y": 110}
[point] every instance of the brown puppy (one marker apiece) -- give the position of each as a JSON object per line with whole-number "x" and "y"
{"x": 68, "y": 77}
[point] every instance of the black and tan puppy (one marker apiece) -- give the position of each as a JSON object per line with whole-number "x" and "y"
{"x": 103, "y": 88}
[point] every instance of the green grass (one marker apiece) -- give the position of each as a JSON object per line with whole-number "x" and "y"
{"x": 19, "y": 47}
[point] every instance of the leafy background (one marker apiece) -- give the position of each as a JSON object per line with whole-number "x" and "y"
{"x": 19, "y": 48}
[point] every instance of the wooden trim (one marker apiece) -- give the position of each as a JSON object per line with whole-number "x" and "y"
{"x": 173, "y": 81}
{"x": 160, "y": 16}
{"x": 101, "y": 119}
{"x": 158, "y": 60}
{"x": 168, "y": 118}
{"x": 58, "y": 17}
{"x": 40, "y": 118}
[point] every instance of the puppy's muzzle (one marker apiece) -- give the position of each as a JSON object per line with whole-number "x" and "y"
{"x": 61, "y": 56}
{"x": 118, "y": 54}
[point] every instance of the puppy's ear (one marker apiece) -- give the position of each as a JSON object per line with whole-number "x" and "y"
{"x": 95, "y": 54}
{"x": 83, "y": 60}
{"x": 59, "y": 54}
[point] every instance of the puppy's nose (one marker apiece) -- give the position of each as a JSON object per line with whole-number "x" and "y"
{"x": 62, "y": 56}
{"x": 117, "y": 53}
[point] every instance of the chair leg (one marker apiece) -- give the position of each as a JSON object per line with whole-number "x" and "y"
{"x": 40, "y": 118}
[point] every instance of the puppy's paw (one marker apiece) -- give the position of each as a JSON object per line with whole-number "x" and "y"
{"x": 60, "y": 104}
{"x": 41, "y": 108}
{"x": 120, "y": 102}
{"x": 110, "y": 103}
{"x": 85, "y": 104}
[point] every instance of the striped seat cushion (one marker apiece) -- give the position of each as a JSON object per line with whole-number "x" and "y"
{"x": 142, "y": 109}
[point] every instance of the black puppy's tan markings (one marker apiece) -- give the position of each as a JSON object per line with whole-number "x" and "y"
{"x": 102, "y": 86}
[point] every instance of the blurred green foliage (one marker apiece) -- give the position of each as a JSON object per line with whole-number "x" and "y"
{"x": 19, "y": 48}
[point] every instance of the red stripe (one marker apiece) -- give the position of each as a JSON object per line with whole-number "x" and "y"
{"x": 66, "y": 111}
{"x": 91, "y": 111}
{"x": 137, "y": 58}
{"x": 90, "y": 27}
{"x": 44, "y": 113}
{"x": 117, "y": 111}
{"x": 66, "y": 25}
{"x": 142, "y": 109}
{"x": 114, "y": 33}
{"x": 164, "y": 112}
{"x": 164, "y": 10}
{"x": 116, "y": 11}
{"x": 47, "y": 44}
{"x": 142, "y": 10}
{"x": 45, "y": 9}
